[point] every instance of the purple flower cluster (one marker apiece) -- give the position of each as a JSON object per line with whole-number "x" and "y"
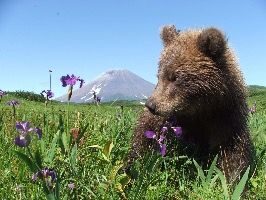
{"x": 253, "y": 109}
{"x": 160, "y": 141}
{"x": 47, "y": 174}
{"x": 71, "y": 80}
{"x": 2, "y": 93}
{"x": 49, "y": 94}
{"x": 24, "y": 138}
{"x": 13, "y": 103}
{"x": 71, "y": 186}
{"x": 162, "y": 146}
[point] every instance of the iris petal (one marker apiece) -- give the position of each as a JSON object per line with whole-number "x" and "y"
{"x": 150, "y": 134}
{"x": 22, "y": 141}
{"x": 177, "y": 131}
{"x": 163, "y": 149}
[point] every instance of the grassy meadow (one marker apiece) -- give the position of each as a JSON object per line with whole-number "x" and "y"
{"x": 81, "y": 153}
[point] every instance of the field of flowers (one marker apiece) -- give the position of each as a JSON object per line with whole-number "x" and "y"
{"x": 52, "y": 150}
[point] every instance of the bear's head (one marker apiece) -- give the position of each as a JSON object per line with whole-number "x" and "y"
{"x": 196, "y": 72}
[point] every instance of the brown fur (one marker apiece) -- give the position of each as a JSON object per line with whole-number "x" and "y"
{"x": 200, "y": 84}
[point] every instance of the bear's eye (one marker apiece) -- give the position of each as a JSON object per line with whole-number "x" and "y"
{"x": 172, "y": 77}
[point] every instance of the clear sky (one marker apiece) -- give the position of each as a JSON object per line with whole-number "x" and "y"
{"x": 87, "y": 38}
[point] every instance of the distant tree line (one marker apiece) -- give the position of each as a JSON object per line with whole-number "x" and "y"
{"x": 31, "y": 96}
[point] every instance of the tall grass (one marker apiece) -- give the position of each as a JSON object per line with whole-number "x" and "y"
{"x": 87, "y": 156}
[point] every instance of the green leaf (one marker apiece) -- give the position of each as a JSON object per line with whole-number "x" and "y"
{"x": 44, "y": 120}
{"x": 51, "y": 152}
{"x": 120, "y": 189}
{"x": 57, "y": 187}
{"x": 124, "y": 180}
{"x": 240, "y": 186}
{"x": 211, "y": 170}
{"x": 50, "y": 196}
{"x": 61, "y": 123}
{"x": 82, "y": 131}
{"x": 73, "y": 157}
{"x": 90, "y": 191}
{"x": 1, "y": 120}
{"x": 108, "y": 148}
{"x": 32, "y": 166}
{"x": 65, "y": 140}
{"x": 42, "y": 146}
{"x": 213, "y": 180}
{"x": 151, "y": 162}
{"x": 95, "y": 146}
{"x": 223, "y": 181}
{"x": 200, "y": 171}
{"x": 114, "y": 171}
{"x": 38, "y": 158}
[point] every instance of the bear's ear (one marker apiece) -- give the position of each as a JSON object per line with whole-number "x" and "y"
{"x": 168, "y": 34}
{"x": 212, "y": 42}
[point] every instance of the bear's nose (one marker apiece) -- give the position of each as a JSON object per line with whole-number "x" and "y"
{"x": 150, "y": 104}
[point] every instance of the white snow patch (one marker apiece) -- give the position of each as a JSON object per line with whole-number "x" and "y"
{"x": 89, "y": 98}
{"x": 96, "y": 88}
{"x": 145, "y": 96}
{"x": 142, "y": 103}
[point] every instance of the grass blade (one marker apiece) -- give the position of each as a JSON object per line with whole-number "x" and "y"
{"x": 200, "y": 171}
{"x": 27, "y": 160}
{"x": 223, "y": 181}
{"x": 211, "y": 170}
{"x": 240, "y": 186}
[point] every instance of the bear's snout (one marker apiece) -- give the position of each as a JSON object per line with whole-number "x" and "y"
{"x": 150, "y": 104}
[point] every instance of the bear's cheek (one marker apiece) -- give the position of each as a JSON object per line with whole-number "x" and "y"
{"x": 172, "y": 90}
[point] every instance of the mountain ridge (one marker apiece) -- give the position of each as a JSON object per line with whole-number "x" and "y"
{"x": 115, "y": 84}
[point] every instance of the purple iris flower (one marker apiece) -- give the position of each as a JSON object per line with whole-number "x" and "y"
{"x": 164, "y": 129}
{"x": 161, "y": 139}
{"x": 150, "y": 134}
{"x": 71, "y": 186}
{"x": 49, "y": 94}
{"x": 162, "y": 146}
{"x": 81, "y": 83}
{"x": 178, "y": 131}
{"x": 163, "y": 149}
{"x": 71, "y": 80}
{"x": 13, "y": 103}
{"x": 63, "y": 80}
{"x": 2, "y": 93}
{"x": 24, "y": 139}
{"x": 38, "y": 132}
{"x": 47, "y": 174}
{"x": 23, "y": 127}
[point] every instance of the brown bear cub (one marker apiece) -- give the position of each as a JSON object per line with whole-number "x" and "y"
{"x": 200, "y": 89}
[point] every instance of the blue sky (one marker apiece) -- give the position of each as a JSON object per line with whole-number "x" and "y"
{"x": 87, "y": 38}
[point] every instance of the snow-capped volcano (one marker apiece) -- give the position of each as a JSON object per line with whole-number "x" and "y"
{"x": 113, "y": 85}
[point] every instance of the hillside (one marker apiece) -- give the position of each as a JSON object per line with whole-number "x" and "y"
{"x": 113, "y": 85}
{"x": 257, "y": 94}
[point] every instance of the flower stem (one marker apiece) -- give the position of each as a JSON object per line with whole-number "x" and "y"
{"x": 32, "y": 158}
{"x": 14, "y": 111}
{"x": 67, "y": 116}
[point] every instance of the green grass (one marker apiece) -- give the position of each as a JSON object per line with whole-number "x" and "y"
{"x": 94, "y": 162}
